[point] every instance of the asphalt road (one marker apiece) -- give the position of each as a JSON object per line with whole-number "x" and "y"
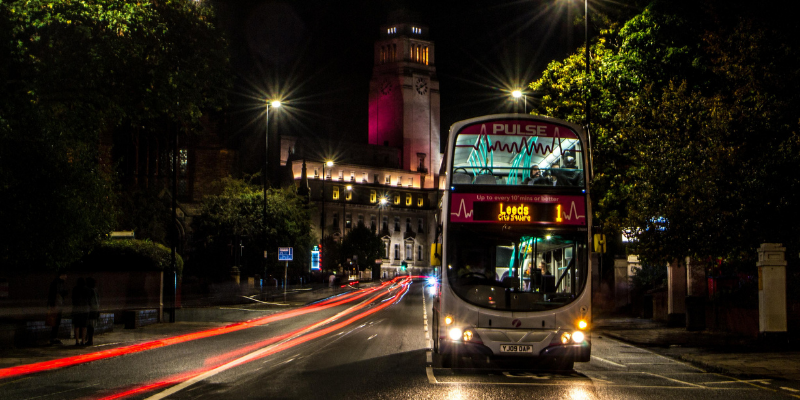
{"x": 374, "y": 347}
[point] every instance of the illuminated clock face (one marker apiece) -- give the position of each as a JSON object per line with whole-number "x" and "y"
{"x": 386, "y": 87}
{"x": 421, "y": 86}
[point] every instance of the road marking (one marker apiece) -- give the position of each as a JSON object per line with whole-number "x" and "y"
{"x": 372, "y": 337}
{"x": 790, "y": 389}
{"x": 674, "y": 380}
{"x": 429, "y": 372}
{"x": 609, "y": 361}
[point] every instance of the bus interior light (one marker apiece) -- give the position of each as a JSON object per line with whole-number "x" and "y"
{"x": 577, "y": 337}
{"x": 455, "y": 333}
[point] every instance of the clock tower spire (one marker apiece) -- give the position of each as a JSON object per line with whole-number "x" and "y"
{"x": 404, "y": 96}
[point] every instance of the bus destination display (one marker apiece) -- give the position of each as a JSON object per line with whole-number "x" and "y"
{"x": 517, "y": 209}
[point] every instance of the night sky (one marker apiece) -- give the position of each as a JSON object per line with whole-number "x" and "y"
{"x": 318, "y": 55}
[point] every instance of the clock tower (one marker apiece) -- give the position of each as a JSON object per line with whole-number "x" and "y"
{"x": 404, "y": 97}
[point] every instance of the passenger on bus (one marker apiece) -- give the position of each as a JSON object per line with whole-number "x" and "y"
{"x": 536, "y": 177}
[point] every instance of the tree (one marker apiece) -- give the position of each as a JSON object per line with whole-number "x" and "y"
{"x": 75, "y": 69}
{"x": 235, "y": 217}
{"x": 364, "y": 244}
{"x": 695, "y": 132}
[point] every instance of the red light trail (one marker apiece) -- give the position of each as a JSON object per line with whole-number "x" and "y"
{"x": 119, "y": 351}
{"x": 293, "y": 340}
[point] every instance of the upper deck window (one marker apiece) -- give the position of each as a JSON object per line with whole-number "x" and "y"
{"x": 518, "y": 152}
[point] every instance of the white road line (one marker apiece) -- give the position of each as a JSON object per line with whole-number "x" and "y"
{"x": 790, "y": 389}
{"x": 655, "y": 354}
{"x": 609, "y": 361}
{"x": 372, "y": 337}
{"x": 429, "y": 372}
{"x": 761, "y": 381}
{"x": 674, "y": 380}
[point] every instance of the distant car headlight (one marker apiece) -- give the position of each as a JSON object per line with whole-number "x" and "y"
{"x": 455, "y": 333}
{"x": 578, "y": 337}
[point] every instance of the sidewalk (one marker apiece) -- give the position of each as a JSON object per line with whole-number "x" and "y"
{"x": 188, "y": 321}
{"x": 714, "y": 351}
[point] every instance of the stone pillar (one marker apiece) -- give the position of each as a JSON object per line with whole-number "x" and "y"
{"x": 771, "y": 289}
{"x": 676, "y": 291}
{"x": 697, "y": 292}
{"x": 621, "y": 283}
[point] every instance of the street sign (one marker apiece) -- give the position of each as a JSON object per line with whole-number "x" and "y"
{"x": 285, "y": 253}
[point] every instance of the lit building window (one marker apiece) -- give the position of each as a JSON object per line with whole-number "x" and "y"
{"x": 410, "y": 182}
{"x": 373, "y": 196}
{"x": 408, "y": 199}
{"x": 399, "y": 181}
{"x": 336, "y": 193}
{"x": 397, "y": 199}
{"x": 388, "y": 179}
{"x": 420, "y": 201}
{"x": 341, "y": 175}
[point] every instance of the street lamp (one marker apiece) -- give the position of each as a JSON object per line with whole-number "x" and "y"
{"x": 273, "y": 104}
{"x": 329, "y": 164}
{"x": 517, "y": 94}
{"x": 383, "y": 203}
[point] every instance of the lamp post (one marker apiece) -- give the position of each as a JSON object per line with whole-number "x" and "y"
{"x": 588, "y": 71}
{"x": 347, "y": 190}
{"x": 329, "y": 164}
{"x": 273, "y": 104}
{"x": 517, "y": 94}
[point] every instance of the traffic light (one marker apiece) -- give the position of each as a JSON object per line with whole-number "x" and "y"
{"x": 599, "y": 243}
{"x": 403, "y": 266}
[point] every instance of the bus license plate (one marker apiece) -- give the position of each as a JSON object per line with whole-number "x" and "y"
{"x": 514, "y": 348}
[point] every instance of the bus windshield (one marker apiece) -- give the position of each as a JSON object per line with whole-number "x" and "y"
{"x": 520, "y": 269}
{"x": 521, "y": 152}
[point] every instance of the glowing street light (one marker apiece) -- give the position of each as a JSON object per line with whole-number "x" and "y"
{"x": 328, "y": 164}
{"x": 273, "y": 104}
{"x": 517, "y": 94}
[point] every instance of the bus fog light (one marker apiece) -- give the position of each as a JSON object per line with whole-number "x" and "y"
{"x": 467, "y": 336}
{"x": 565, "y": 337}
{"x": 455, "y": 333}
{"x": 577, "y": 337}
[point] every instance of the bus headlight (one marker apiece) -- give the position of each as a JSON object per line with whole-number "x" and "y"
{"x": 578, "y": 337}
{"x": 565, "y": 337}
{"x": 448, "y": 320}
{"x": 582, "y": 324}
{"x": 455, "y": 333}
